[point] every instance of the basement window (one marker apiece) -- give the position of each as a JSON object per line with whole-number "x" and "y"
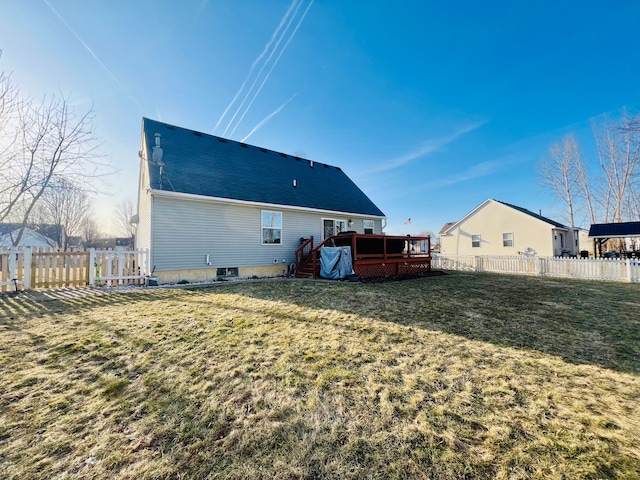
{"x": 227, "y": 272}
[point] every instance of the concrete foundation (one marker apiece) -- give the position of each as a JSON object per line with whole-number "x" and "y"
{"x": 210, "y": 274}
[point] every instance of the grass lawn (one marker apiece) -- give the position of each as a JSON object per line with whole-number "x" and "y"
{"x": 449, "y": 377}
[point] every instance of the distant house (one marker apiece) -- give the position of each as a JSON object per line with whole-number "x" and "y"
{"x": 498, "y": 228}
{"x": 211, "y": 207}
{"x": 34, "y": 236}
{"x": 627, "y": 234}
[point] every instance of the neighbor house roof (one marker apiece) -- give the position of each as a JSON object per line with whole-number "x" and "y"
{"x": 446, "y": 227}
{"x": 449, "y": 226}
{"x": 30, "y": 237}
{"x": 201, "y": 164}
{"x": 535, "y": 215}
{"x": 613, "y": 230}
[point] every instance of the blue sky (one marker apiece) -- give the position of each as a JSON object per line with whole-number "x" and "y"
{"x": 430, "y": 107}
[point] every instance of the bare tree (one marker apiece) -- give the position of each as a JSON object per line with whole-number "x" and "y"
{"x": 41, "y": 143}
{"x": 587, "y": 191}
{"x": 612, "y": 194}
{"x": 560, "y": 173}
{"x": 619, "y": 154}
{"x": 66, "y": 205}
{"x": 90, "y": 232}
{"x": 123, "y": 214}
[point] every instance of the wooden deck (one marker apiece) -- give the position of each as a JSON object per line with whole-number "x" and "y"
{"x": 371, "y": 255}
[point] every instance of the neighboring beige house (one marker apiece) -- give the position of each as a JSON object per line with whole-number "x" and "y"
{"x": 498, "y": 228}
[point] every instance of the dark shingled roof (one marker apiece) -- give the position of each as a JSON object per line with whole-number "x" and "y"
{"x": 535, "y": 215}
{"x": 201, "y": 164}
{"x": 610, "y": 230}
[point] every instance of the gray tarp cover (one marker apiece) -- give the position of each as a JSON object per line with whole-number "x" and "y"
{"x": 335, "y": 262}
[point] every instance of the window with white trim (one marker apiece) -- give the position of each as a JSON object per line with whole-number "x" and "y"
{"x": 507, "y": 239}
{"x": 367, "y": 225}
{"x": 331, "y": 227}
{"x": 271, "y": 227}
{"x": 475, "y": 241}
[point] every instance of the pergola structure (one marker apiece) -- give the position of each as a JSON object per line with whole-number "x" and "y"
{"x": 601, "y": 232}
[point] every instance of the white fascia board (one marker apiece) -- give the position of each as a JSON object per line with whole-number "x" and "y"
{"x": 471, "y": 213}
{"x": 204, "y": 198}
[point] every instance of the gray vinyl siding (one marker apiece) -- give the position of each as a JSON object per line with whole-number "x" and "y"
{"x": 143, "y": 229}
{"x": 186, "y": 231}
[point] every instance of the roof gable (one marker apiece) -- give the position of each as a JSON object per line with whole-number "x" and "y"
{"x": 201, "y": 164}
{"x": 30, "y": 237}
{"x": 450, "y": 226}
{"x": 534, "y": 215}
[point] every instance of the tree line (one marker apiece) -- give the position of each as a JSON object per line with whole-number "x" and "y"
{"x": 49, "y": 165}
{"x": 604, "y": 189}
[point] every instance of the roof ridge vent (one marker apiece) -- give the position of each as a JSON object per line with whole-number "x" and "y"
{"x": 243, "y": 145}
{"x": 223, "y": 140}
{"x": 263, "y": 149}
{"x": 284, "y": 155}
{"x": 197, "y": 134}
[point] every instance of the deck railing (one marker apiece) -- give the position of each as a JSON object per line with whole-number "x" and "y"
{"x": 380, "y": 255}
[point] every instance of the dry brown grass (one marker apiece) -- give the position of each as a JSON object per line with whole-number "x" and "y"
{"x": 461, "y": 376}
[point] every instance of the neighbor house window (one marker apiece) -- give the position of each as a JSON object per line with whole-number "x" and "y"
{"x": 507, "y": 239}
{"x": 271, "y": 227}
{"x": 475, "y": 240}
{"x": 368, "y": 227}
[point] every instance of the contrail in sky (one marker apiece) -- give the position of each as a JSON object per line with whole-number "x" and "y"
{"x": 255, "y": 62}
{"x": 266, "y": 119}
{"x": 104, "y": 67}
{"x": 428, "y": 147}
{"x": 274, "y": 65}
{"x": 266, "y": 62}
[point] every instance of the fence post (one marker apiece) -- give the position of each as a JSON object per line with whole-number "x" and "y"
{"x": 92, "y": 266}
{"x": 26, "y": 265}
{"x": 629, "y": 275}
{"x": 542, "y": 266}
{"x": 120, "y": 267}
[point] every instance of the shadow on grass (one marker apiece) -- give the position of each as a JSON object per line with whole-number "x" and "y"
{"x": 15, "y": 309}
{"x": 582, "y": 322}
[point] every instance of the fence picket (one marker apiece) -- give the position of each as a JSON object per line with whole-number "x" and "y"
{"x": 613, "y": 269}
{"x": 50, "y": 268}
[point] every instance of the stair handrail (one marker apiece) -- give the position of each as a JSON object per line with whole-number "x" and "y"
{"x": 303, "y": 251}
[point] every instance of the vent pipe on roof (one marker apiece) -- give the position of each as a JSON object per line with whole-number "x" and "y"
{"x": 311, "y": 163}
{"x": 295, "y": 183}
{"x": 157, "y": 157}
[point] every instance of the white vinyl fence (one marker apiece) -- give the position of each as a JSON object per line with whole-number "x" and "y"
{"x": 613, "y": 269}
{"x": 27, "y": 268}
